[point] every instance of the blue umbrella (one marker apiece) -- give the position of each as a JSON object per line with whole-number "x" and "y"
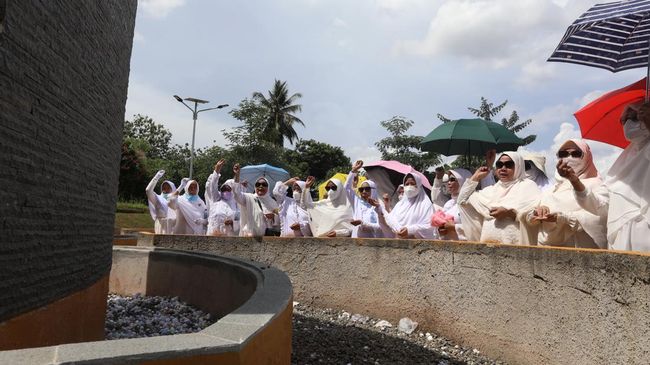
{"x": 613, "y": 36}
{"x": 253, "y": 172}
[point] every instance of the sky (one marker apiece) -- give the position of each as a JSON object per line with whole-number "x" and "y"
{"x": 360, "y": 62}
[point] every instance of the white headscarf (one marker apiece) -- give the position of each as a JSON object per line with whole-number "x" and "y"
{"x": 537, "y": 171}
{"x": 192, "y": 207}
{"x": 628, "y": 182}
{"x": 294, "y": 212}
{"x": 330, "y": 214}
{"x": 374, "y": 194}
{"x": 451, "y": 206}
{"x": 164, "y": 208}
{"x": 461, "y": 176}
{"x": 561, "y": 199}
{"x": 519, "y": 194}
{"x": 414, "y": 211}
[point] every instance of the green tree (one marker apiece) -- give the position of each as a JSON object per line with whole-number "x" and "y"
{"x": 315, "y": 158}
{"x": 404, "y": 148}
{"x": 133, "y": 172}
{"x": 280, "y": 109}
{"x": 156, "y": 135}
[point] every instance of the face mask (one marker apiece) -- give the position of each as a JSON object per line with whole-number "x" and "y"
{"x": 192, "y": 198}
{"x": 634, "y": 130}
{"x": 573, "y": 163}
{"x": 532, "y": 173}
{"x": 165, "y": 195}
{"x": 226, "y": 195}
{"x": 332, "y": 194}
{"x": 410, "y": 191}
{"x": 297, "y": 195}
{"x": 400, "y": 196}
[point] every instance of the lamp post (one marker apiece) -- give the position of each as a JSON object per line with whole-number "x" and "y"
{"x": 195, "y": 115}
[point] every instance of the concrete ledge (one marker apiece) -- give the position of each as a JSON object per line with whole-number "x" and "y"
{"x": 258, "y": 308}
{"x": 521, "y": 304}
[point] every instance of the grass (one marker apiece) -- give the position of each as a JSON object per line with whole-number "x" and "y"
{"x": 131, "y": 207}
{"x": 133, "y": 220}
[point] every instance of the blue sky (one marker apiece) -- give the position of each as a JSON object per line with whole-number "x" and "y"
{"x": 360, "y": 62}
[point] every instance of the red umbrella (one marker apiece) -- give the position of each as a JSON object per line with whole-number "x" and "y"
{"x": 600, "y": 119}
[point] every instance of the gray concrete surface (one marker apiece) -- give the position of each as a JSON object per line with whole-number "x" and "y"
{"x": 521, "y": 304}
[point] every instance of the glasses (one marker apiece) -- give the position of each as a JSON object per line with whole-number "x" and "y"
{"x": 507, "y": 164}
{"x": 565, "y": 154}
{"x": 261, "y": 185}
{"x": 328, "y": 188}
{"x": 365, "y": 188}
{"x": 452, "y": 179}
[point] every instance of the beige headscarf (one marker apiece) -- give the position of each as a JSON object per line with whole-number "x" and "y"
{"x": 330, "y": 214}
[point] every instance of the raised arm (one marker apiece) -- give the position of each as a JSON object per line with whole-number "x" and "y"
{"x": 212, "y": 184}
{"x": 306, "y": 201}
{"x": 151, "y": 194}
{"x": 238, "y": 191}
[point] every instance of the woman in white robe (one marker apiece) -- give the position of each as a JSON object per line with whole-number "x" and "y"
{"x": 493, "y": 214}
{"x": 223, "y": 213}
{"x": 258, "y": 211}
{"x": 536, "y": 171}
{"x": 294, "y": 219}
{"x": 559, "y": 219}
{"x": 329, "y": 217}
{"x": 411, "y": 216}
{"x": 453, "y": 230}
{"x": 191, "y": 211}
{"x": 625, "y": 195}
{"x": 364, "y": 216}
{"x": 163, "y": 217}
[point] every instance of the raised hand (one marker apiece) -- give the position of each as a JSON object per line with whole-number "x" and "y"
{"x": 566, "y": 171}
{"x": 480, "y": 173}
{"x": 357, "y": 165}
{"x": 440, "y": 172}
{"x": 310, "y": 181}
{"x": 160, "y": 174}
{"x": 292, "y": 181}
{"x": 219, "y": 165}
{"x": 490, "y": 157}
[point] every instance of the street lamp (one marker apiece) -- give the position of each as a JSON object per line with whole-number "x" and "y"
{"x": 195, "y": 115}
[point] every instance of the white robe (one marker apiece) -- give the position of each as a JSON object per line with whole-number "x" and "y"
{"x": 414, "y": 214}
{"x": 450, "y": 207}
{"x": 221, "y": 209}
{"x": 191, "y": 213}
{"x": 519, "y": 195}
{"x": 624, "y": 198}
{"x": 291, "y": 212}
{"x": 574, "y": 226}
{"x": 163, "y": 217}
{"x": 361, "y": 210}
{"x": 252, "y": 207}
{"x": 329, "y": 214}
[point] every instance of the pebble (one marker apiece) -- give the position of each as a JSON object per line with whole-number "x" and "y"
{"x": 383, "y": 324}
{"x": 407, "y": 325}
{"x": 147, "y": 316}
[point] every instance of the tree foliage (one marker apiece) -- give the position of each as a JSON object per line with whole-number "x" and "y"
{"x": 280, "y": 109}
{"x": 404, "y": 148}
{"x": 155, "y": 135}
{"x": 318, "y": 158}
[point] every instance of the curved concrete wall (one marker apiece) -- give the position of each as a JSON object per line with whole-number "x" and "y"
{"x": 64, "y": 68}
{"x": 256, "y": 300}
{"x": 522, "y": 304}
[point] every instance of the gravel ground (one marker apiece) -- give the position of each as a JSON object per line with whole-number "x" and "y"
{"x": 327, "y": 336}
{"x": 144, "y": 316}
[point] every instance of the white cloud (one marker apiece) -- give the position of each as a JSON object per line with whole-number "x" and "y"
{"x": 591, "y": 96}
{"x": 339, "y": 23}
{"x": 159, "y": 8}
{"x": 159, "y": 104}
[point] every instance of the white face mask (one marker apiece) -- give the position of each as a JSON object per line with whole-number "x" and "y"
{"x": 297, "y": 195}
{"x": 226, "y": 195}
{"x": 573, "y": 162}
{"x": 400, "y": 196}
{"x": 532, "y": 173}
{"x": 410, "y": 191}
{"x": 332, "y": 194}
{"x": 635, "y": 131}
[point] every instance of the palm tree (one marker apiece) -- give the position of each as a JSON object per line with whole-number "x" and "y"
{"x": 281, "y": 110}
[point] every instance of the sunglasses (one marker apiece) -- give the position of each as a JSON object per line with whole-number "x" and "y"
{"x": 452, "y": 179}
{"x": 527, "y": 165}
{"x": 365, "y": 188}
{"x": 328, "y": 188}
{"x": 565, "y": 154}
{"x": 507, "y": 164}
{"x": 261, "y": 184}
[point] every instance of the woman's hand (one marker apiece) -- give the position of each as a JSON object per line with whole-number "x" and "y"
{"x": 331, "y": 234}
{"x": 355, "y": 222}
{"x": 501, "y": 212}
{"x": 480, "y": 173}
{"x": 219, "y": 165}
{"x": 356, "y": 166}
{"x": 310, "y": 181}
{"x": 403, "y": 233}
{"x": 295, "y": 226}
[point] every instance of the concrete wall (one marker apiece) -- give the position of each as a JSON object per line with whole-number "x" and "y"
{"x": 64, "y": 69}
{"x": 256, "y": 300}
{"x": 522, "y": 304}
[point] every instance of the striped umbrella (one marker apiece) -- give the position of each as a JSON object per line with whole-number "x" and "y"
{"x": 613, "y": 36}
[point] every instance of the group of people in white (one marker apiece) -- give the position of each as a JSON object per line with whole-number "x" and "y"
{"x": 511, "y": 200}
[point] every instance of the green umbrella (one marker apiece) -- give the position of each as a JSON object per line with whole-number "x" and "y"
{"x": 470, "y": 137}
